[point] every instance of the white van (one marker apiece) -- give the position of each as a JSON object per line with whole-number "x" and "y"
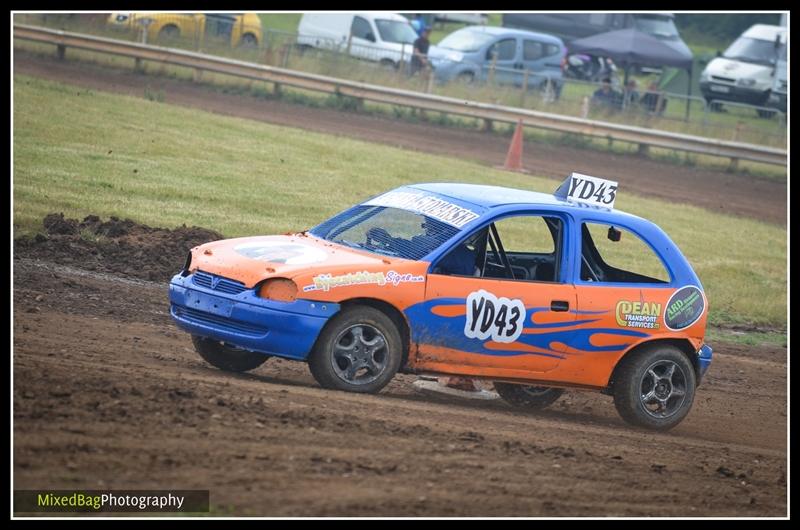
{"x": 745, "y": 71}
{"x": 387, "y": 38}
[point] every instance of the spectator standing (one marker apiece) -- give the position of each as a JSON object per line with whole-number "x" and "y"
{"x": 419, "y": 59}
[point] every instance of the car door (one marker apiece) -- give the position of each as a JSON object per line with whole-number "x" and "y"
{"x": 362, "y": 39}
{"x": 542, "y": 59}
{"x": 491, "y": 308}
{"x": 505, "y": 69}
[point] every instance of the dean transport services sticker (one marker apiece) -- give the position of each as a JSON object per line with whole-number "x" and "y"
{"x": 684, "y": 308}
{"x": 488, "y": 316}
{"x": 281, "y": 252}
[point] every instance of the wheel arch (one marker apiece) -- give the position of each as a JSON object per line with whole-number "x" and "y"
{"x": 684, "y": 345}
{"x": 393, "y": 313}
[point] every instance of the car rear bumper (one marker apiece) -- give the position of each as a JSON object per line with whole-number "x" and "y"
{"x": 703, "y": 361}
{"x": 245, "y": 320}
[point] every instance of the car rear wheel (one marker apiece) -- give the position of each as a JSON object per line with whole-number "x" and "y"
{"x": 360, "y": 350}
{"x": 654, "y": 387}
{"x": 169, "y": 33}
{"x": 529, "y": 397}
{"x": 228, "y": 358}
{"x": 248, "y": 40}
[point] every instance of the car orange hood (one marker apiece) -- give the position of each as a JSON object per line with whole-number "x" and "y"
{"x": 253, "y": 259}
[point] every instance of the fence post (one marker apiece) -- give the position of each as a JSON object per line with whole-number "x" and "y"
{"x": 286, "y": 51}
{"x": 492, "y": 67}
{"x": 61, "y": 50}
{"x": 734, "y": 165}
{"x": 585, "y": 107}
{"x": 401, "y": 64}
{"x": 524, "y": 87}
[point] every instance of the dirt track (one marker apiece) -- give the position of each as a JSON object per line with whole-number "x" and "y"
{"x": 109, "y": 394}
{"x": 759, "y": 198}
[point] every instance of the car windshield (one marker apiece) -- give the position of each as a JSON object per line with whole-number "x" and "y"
{"x": 396, "y": 31}
{"x": 466, "y": 41}
{"x": 385, "y": 230}
{"x": 750, "y": 50}
{"x": 657, "y": 26}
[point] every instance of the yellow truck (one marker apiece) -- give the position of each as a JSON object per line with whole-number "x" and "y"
{"x": 235, "y": 29}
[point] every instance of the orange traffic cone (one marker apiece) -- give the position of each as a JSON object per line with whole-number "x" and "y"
{"x": 514, "y": 156}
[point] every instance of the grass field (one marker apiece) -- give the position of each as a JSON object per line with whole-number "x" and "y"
{"x": 82, "y": 152}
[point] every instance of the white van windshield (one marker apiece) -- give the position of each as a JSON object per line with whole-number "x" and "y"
{"x": 396, "y": 31}
{"x": 750, "y": 50}
{"x": 466, "y": 41}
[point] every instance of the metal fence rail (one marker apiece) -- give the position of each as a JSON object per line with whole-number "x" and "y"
{"x": 387, "y": 95}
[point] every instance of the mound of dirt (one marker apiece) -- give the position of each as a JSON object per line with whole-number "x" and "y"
{"x": 116, "y": 246}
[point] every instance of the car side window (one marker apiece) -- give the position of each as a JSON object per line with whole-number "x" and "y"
{"x": 532, "y": 50}
{"x": 505, "y": 49}
{"x": 523, "y": 247}
{"x": 612, "y": 254}
{"x": 361, "y": 28}
{"x": 552, "y": 49}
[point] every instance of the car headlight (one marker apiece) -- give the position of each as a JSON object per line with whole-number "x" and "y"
{"x": 455, "y": 56}
{"x": 746, "y": 82}
{"x": 278, "y": 290}
{"x": 118, "y": 18}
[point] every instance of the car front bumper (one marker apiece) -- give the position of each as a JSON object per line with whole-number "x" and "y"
{"x": 245, "y": 320}
{"x": 725, "y": 92}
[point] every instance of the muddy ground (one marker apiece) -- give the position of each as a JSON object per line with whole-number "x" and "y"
{"x": 719, "y": 191}
{"x": 108, "y": 394}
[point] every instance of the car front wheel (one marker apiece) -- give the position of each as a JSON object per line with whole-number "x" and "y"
{"x": 228, "y": 358}
{"x": 360, "y": 350}
{"x": 654, "y": 387}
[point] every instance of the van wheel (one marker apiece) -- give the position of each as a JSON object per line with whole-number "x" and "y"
{"x": 529, "y": 397}
{"x": 360, "y": 350}
{"x": 654, "y": 387}
{"x": 466, "y": 78}
{"x": 228, "y": 358}
{"x": 248, "y": 40}
{"x": 389, "y": 64}
{"x": 169, "y": 32}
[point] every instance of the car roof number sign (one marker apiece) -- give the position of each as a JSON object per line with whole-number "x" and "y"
{"x": 588, "y": 190}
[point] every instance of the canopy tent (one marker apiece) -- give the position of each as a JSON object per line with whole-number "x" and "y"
{"x": 630, "y": 47}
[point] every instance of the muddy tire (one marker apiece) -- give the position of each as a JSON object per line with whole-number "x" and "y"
{"x": 227, "y": 357}
{"x": 528, "y": 397}
{"x": 360, "y": 350}
{"x": 654, "y": 387}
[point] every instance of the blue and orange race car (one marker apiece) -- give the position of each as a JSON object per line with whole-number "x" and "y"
{"x": 534, "y": 292}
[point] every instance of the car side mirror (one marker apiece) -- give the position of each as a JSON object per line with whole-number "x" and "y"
{"x": 370, "y": 37}
{"x": 614, "y": 234}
